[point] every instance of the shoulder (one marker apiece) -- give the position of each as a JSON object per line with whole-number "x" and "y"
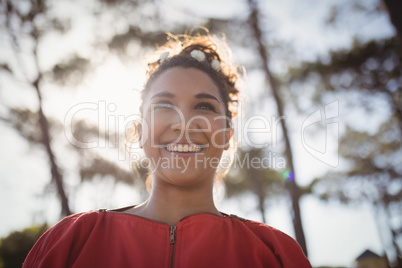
{"x": 262, "y": 230}
{"x": 73, "y": 229}
{"x": 282, "y": 245}
{"x": 84, "y": 220}
{"x": 72, "y": 223}
{"x": 80, "y": 222}
{"x": 265, "y": 232}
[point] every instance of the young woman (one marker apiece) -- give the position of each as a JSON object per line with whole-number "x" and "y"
{"x": 186, "y": 110}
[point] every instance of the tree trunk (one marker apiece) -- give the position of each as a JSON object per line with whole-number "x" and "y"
{"x": 395, "y": 10}
{"x": 57, "y": 177}
{"x": 258, "y": 186}
{"x": 54, "y": 168}
{"x": 291, "y": 184}
{"x": 397, "y": 262}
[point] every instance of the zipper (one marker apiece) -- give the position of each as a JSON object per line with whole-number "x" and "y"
{"x": 172, "y": 242}
{"x": 172, "y": 231}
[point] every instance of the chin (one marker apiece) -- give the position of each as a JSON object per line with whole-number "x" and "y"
{"x": 183, "y": 177}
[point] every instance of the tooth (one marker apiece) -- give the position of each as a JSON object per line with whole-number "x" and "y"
{"x": 183, "y": 147}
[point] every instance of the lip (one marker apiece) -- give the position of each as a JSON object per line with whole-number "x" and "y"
{"x": 182, "y": 141}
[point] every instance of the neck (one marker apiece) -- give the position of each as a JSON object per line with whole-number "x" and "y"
{"x": 169, "y": 203}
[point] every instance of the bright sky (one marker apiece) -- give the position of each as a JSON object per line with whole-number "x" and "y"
{"x": 336, "y": 234}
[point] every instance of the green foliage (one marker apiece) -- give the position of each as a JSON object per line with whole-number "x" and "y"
{"x": 103, "y": 167}
{"x": 371, "y": 71}
{"x": 375, "y": 173}
{"x": 248, "y": 177}
{"x": 120, "y": 42}
{"x": 70, "y": 72}
{"x": 373, "y": 68}
{"x": 26, "y": 122}
{"x": 15, "y": 247}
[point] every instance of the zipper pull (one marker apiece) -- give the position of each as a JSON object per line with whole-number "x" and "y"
{"x": 172, "y": 233}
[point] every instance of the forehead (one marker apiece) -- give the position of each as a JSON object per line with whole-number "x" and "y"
{"x": 184, "y": 82}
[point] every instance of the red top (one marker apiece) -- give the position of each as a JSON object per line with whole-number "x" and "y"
{"x": 111, "y": 239}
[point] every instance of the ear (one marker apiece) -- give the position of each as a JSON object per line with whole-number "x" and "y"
{"x": 228, "y": 136}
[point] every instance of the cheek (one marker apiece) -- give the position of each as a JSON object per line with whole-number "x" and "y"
{"x": 149, "y": 131}
{"x": 219, "y": 134}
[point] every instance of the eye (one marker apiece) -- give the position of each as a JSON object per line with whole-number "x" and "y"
{"x": 205, "y": 106}
{"x": 162, "y": 105}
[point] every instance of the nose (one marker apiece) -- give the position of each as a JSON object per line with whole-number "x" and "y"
{"x": 184, "y": 122}
{"x": 178, "y": 124}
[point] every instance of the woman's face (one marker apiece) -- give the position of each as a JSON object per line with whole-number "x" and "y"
{"x": 184, "y": 129}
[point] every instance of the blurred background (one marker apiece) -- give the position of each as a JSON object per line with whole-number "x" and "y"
{"x": 321, "y": 106}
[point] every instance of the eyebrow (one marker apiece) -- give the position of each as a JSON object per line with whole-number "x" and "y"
{"x": 198, "y": 96}
{"x": 206, "y": 96}
{"x": 163, "y": 94}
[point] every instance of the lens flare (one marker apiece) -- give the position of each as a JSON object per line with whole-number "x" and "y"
{"x": 288, "y": 175}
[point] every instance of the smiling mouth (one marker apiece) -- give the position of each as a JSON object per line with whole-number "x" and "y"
{"x": 184, "y": 148}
